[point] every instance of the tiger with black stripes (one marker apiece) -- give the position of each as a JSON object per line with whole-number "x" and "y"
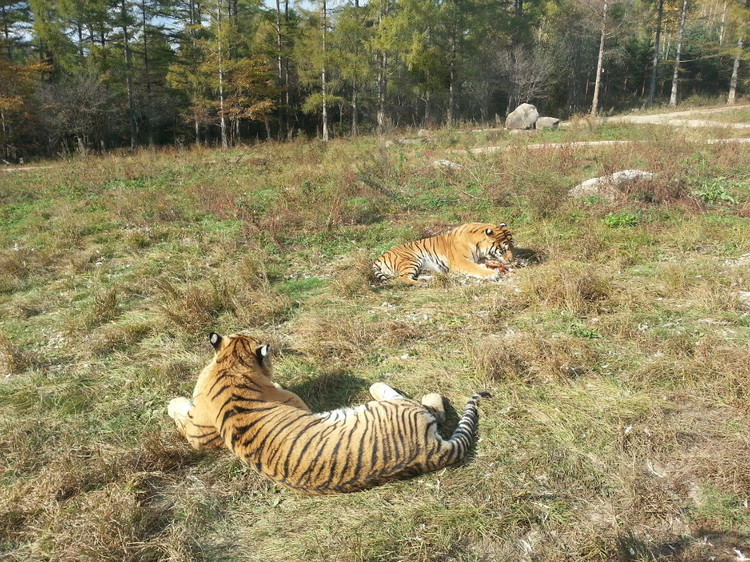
{"x": 235, "y": 403}
{"x": 475, "y": 249}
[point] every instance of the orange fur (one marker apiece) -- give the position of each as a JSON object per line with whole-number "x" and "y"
{"x": 461, "y": 250}
{"x": 236, "y": 404}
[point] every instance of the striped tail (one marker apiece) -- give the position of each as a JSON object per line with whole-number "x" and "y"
{"x": 463, "y": 436}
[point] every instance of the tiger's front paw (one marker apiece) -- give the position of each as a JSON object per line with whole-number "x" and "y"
{"x": 178, "y": 409}
{"x": 498, "y": 266}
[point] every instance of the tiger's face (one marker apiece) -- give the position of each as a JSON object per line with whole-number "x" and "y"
{"x": 494, "y": 241}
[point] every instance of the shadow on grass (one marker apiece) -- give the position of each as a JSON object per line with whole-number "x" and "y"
{"x": 528, "y": 256}
{"x": 330, "y": 391}
{"x": 702, "y": 544}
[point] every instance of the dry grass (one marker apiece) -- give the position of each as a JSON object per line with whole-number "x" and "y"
{"x": 616, "y": 350}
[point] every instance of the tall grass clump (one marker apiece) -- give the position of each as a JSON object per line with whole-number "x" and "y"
{"x": 13, "y": 359}
{"x": 532, "y": 357}
{"x": 574, "y": 287}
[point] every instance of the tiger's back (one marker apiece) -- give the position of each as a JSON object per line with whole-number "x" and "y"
{"x": 343, "y": 450}
{"x": 461, "y": 250}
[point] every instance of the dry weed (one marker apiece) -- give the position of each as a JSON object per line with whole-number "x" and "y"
{"x": 532, "y": 358}
{"x": 16, "y": 263}
{"x": 353, "y": 276}
{"x": 104, "y": 308}
{"x": 347, "y": 340}
{"x": 575, "y": 287}
{"x": 109, "y": 338}
{"x": 196, "y": 308}
{"x": 13, "y": 360}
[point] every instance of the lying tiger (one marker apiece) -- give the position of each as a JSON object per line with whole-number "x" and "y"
{"x": 475, "y": 249}
{"x": 271, "y": 429}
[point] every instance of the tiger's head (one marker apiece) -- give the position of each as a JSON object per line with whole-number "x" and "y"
{"x": 241, "y": 350}
{"x": 239, "y": 355}
{"x": 491, "y": 241}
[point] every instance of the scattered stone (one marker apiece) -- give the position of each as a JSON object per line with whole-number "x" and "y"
{"x": 547, "y": 123}
{"x": 607, "y": 187}
{"x": 446, "y": 164}
{"x": 523, "y": 117}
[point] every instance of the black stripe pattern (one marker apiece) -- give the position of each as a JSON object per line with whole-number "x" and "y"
{"x": 452, "y": 251}
{"x": 340, "y": 451}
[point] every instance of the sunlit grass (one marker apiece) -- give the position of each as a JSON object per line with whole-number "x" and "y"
{"x": 616, "y": 350}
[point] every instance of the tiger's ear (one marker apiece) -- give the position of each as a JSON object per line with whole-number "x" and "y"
{"x": 215, "y": 340}
{"x": 489, "y": 232}
{"x": 263, "y": 353}
{"x": 502, "y": 225}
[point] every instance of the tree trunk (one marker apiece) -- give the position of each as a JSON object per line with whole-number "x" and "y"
{"x": 323, "y": 76}
{"x": 223, "y": 122}
{"x": 382, "y": 76}
{"x": 655, "y": 64}
{"x": 382, "y": 87}
{"x": 597, "y": 83}
{"x": 280, "y": 68}
{"x": 355, "y": 122}
{"x": 147, "y": 76}
{"x": 355, "y": 92}
{"x": 673, "y": 97}
{"x": 452, "y": 66}
{"x": 129, "y": 77}
{"x": 732, "y": 98}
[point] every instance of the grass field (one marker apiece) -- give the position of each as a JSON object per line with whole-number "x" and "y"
{"x": 618, "y": 350}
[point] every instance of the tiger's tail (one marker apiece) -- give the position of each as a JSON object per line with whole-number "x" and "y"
{"x": 463, "y": 436}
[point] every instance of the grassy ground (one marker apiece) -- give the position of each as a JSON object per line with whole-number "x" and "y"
{"x": 617, "y": 350}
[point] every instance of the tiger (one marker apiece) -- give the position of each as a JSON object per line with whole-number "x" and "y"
{"x": 474, "y": 249}
{"x": 236, "y": 404}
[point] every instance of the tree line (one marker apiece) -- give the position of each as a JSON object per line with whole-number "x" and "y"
{"x": 82, "y": 75}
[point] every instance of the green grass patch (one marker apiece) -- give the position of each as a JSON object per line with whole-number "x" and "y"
{"x": 616, "y": 347}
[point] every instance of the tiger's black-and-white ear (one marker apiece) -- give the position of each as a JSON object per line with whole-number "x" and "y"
{"x": 489, "y": 232}
{"x": 502, "y": 224}
{"x": 263, "y": 353}
{"x": 215, "y": 340}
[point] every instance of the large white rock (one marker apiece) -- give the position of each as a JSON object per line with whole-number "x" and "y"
{"x": 522, "y": 117}
{"x": 607, "y": 187}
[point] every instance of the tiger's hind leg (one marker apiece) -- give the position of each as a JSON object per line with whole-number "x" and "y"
{"x": 381, "y": 391}
{"x": 434, "y": 403}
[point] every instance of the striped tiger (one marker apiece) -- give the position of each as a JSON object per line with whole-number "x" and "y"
{"x": 475, "y": 249}
{"x": 236, "y": 404}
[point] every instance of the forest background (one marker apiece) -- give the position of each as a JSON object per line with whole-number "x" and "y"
{"x": 82, "y": 75}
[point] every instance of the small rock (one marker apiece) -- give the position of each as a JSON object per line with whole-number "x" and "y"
{"x": 547, "y": 123}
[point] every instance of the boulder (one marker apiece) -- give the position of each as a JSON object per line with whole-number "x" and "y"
{"x": 547, "y": 123}
{"x": 607, "y": 187}
{"x": 523, "y": 117}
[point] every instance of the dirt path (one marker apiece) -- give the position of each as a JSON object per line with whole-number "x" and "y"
{"x": 674, "y": 118}
{"x": 680, "y": 118}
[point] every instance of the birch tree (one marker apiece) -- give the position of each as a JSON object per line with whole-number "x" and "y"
{"x": 597, "y": 84}
{"x": 743, "y": 17}
{"x": 655, "y": 63}
{"x": 675, "y": 77}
